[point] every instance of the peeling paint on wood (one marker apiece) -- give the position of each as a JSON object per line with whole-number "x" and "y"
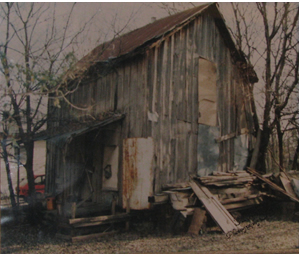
{"x": 137, "y": 172}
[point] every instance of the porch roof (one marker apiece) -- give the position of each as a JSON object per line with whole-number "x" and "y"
{"x": 64, "y": 134}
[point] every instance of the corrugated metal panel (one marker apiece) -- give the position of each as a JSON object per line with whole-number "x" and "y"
{"x": 137, "y": 172}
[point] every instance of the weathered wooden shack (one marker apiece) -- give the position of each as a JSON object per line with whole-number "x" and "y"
{"x": 167, "y": 100}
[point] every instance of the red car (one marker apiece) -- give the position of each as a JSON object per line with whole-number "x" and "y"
{"x": 39, "y": 182}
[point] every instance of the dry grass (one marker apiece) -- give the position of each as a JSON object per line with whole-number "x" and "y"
{"x": 263, "y": 235}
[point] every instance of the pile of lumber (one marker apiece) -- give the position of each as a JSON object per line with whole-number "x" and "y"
{"x": 223, "y": 192}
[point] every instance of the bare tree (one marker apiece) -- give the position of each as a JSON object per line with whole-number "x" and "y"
{"x": 37, "y": 60}
{"x": 268, "y": 34}
{"x": 35, "y": 52}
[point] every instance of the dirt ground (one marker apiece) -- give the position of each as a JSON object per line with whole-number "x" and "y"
{"x": 262, "y": 234}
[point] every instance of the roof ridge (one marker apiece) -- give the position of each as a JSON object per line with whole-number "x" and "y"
{"x": 200, "y": 7}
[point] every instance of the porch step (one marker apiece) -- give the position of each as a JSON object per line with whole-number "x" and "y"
{"x": 79, "y": 229}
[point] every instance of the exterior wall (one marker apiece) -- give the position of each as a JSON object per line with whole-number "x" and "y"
{"x": 122, "y": 90}
{"x": 158, "y": 92}
{"x": 173, "y": 96}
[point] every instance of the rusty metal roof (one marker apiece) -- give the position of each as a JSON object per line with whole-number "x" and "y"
{"x": 62, "y": 134}
{"x": 146, "y": 35}
{"x": 131, "y": 41}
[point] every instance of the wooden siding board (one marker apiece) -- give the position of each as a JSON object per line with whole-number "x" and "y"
{"x": 164, "y": 121}
{"x": 150, "y": 78}
{"x": 177, "y": 85}
{"x": 155, "y": 126}
{"x": 170, "y": 100}
{"x": 188, "y": 75}
{"x": 212, "y": 38}
{"x": 141, "y": 96}
{"x": 127, "y": 100}
{"x": 180, "y": 159}
{"x": 102, "y": 95}
{"x": 167, "y": 119}
{"x": 233, "y": 116}
{"x": 206, "y": 34}
{"x": 202, "y": 38}
{"x": 107, "y": 89}
{"x": 144, "y": 100}
{"x": 172, "y": 80}
{"x": 154, "y": 100}
{"x": 160, "y": 124}
{"x": 92, "y": 97}
{"x": 194, "y": 93}
{"x": 120, "y": 90}
{"x": 111, "y": 90}
{"x": 184, "y": 81}
{"x": 132, "y": 100}
{"x": 181, "y": 112}
{"x": 147, "y": 104}
{"x": 168, "y": 76}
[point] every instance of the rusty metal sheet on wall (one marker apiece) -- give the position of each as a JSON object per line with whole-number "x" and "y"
{"x": 208, "y": 150}
{"x": 137, "y": 172}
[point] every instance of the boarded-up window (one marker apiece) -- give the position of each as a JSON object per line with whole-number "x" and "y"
{"x": 207, "y": 93}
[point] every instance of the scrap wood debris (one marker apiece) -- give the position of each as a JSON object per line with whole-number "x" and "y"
{"x": 223, "y": 192}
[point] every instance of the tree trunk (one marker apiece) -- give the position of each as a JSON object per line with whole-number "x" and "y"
{"x": 261, "y": 163}
{"x": 280, "y": 145}
{"x": 255, "y": 154}
{"x": 10, "y": 186}
{"x": 29, "y": 147}
{"x": 295, "y": 165}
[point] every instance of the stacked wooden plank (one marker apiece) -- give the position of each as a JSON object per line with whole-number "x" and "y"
{"x": 220, "y": 179}
{"x": 84, "y": 228}
{"x": 79, "y": 229}
{"x": 235, "y": 190}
